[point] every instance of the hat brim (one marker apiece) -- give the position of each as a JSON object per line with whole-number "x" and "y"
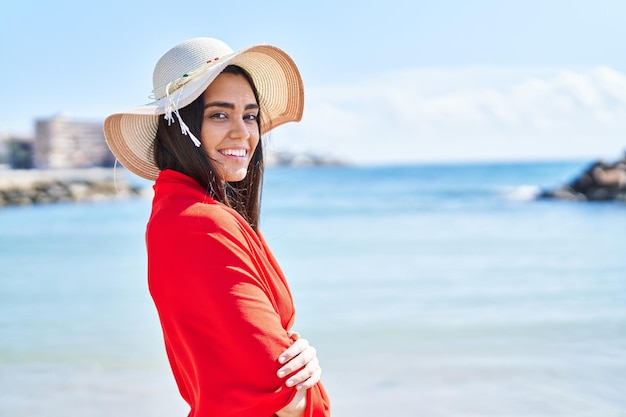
{"x": 130, "y": 134}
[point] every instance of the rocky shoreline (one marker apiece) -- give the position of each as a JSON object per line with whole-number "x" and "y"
{"x": 273, "y": 159}
{"x": 26, "y": 187}
{"x": 600, "y": 181}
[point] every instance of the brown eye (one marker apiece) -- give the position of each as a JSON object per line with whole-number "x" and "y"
{"x": 218, "y": 116}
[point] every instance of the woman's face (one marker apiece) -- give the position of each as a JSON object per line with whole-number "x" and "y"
{"x": 230, "y": 132}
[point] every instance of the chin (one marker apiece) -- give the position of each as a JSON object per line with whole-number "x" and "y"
{"x": 236, "y": 177}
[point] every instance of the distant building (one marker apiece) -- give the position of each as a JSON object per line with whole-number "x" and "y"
{"x": 64, "y": 143}
{"x": 21, "y": 153}
{"x": 16, "y": 151}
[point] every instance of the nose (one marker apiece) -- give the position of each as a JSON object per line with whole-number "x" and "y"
{"x": 239, "y": 129}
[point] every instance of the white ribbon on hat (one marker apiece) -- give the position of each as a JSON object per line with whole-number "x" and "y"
{"x": 172, "y": 107}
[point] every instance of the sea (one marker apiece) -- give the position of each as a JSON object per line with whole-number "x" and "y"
{"x": 431, "y": 290}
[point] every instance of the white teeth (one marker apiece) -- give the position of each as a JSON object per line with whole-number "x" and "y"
{"x": 234, "y": 152}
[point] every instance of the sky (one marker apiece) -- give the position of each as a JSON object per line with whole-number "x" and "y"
{"x": 385, "y": 81}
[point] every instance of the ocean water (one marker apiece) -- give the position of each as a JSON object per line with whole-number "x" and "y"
{"x": 428, "y": 290}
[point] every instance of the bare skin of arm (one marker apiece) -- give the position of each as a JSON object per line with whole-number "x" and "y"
{"x": 296, "y": 407}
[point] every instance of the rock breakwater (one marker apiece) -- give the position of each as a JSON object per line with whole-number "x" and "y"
{"x": 25, "y": 187}
{"x": 600, "y": 181}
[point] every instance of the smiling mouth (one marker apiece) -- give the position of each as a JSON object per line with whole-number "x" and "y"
{"x": 234, "y": 152}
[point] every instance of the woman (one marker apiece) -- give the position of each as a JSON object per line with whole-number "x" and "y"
{"x": 223, "y": 302}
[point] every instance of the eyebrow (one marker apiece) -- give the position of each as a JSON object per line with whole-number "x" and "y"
{"x": 229, "y": 105}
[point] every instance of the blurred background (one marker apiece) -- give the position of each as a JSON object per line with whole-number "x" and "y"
{"x": 450, "y": 212}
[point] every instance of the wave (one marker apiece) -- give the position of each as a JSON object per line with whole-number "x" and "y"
{"x": 520, "y": 192}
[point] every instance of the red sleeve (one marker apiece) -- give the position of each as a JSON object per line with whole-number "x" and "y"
{"x": 221, "y": 314}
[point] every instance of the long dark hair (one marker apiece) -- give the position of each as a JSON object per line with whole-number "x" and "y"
{"x": 173, "y": 150}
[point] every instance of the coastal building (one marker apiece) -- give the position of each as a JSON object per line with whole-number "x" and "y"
{"x": 16, "y": 151}
{"x": 61, "y": 142}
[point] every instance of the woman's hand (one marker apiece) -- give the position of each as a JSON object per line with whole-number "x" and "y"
{"x": 300, "y": 357}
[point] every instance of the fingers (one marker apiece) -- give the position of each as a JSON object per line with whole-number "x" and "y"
{"x": 306, "y": 377}
{"x": 300, "y": 364}
{"x": 304, "y": 370}
{"x": 294, "y": 350}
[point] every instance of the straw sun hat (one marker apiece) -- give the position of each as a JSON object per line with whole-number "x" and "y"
{"x": 182, "y": 75}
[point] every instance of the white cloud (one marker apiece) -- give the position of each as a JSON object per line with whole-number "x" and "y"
{"x": 457, "y": 114}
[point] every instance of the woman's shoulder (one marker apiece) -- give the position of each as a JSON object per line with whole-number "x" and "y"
{"x": 181, "y": 215}
{"x": 181, "y": 207}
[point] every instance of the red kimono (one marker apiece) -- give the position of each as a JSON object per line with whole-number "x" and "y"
{"x": 224, "y": 305}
